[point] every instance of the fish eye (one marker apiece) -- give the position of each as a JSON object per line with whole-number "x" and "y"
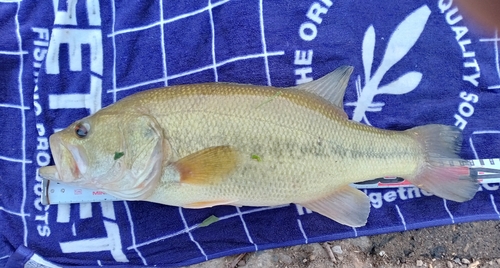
{"x": 82, "y": 129}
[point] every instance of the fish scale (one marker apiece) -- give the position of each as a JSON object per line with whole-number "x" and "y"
{"x": 283, "y": 130}
{"x": 211, "y": 144}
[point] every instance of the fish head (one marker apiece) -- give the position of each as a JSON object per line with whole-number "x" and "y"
{"x": 119, "y": 153}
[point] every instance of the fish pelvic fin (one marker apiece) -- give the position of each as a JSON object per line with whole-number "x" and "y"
{"x": 207, "y": 166}
{"x": 347, "y": 205}
{"x": 331, "y": 86}
{"x": 443, "y": 173}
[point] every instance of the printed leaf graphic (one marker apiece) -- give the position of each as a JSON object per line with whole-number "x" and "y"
{"x": 404, "y": 37}
{"x": 401, "y": 41}
{"x": 367, "y": 51}
{"x": 402, "y": 85}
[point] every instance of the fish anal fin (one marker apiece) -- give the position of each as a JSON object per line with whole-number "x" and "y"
{"x": 207, "y": 166}
{"x": 347, "y": 205}
{"x": 208, "y": 204}
{"x": 331, "y": 86}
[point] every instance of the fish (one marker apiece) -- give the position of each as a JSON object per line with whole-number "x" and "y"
{"x": 210, "y": 144}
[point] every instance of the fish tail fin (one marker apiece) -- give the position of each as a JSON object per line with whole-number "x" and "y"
{"x": 443, "y": 173}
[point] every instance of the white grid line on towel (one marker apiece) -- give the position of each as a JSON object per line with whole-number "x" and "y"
{"x": 495, "y": 41}
{"x": 221, "y": 63}
{"x": 24, "y": 161}
{"x": 132, "y": 233}
{"x": 247, "y": 232}
{"x": 448, "y": 211}
{"x": 163, "y": 52}
{"x": 188, "y": 229}
{"x": 401, "y": 216}
{"x": 183, "y": 16}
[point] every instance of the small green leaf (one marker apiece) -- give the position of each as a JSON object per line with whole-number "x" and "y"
{"x": 118, "y": 155}
{"x": 209, "y": 221}
{"x": 256, "y": 157}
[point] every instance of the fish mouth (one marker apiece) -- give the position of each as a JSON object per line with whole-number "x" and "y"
{"x": 70, "y": 161}
{"x": 49, "y": 173}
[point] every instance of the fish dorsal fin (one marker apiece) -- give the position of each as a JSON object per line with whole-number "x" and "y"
{"x": 347, "y": 205}
{"x": 207, "y": 166}
{"x": 331, "y": 86}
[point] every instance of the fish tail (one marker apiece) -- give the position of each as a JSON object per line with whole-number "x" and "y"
{"x": 442, "y": 172}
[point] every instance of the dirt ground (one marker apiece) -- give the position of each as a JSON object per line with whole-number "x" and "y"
{"x": 475, "y": 244}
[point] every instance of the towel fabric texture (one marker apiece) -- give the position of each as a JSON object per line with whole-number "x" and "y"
{"x": 416, "y": 63}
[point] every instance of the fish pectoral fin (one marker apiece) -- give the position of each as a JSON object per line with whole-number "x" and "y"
{"x": 208, "y": 204}
{"x": 348, "y": 206}
{"x": 331, "y": 86}
{"x": 207, "y": 166}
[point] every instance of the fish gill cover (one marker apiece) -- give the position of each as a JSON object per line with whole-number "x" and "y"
{"x": 415, "y": 63}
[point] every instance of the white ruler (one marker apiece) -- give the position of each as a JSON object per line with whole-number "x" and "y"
{"x": 60, "y": 193}
{"x": 484, "y": 170}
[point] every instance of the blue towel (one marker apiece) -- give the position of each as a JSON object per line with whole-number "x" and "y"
{"x": 416, "y": 62}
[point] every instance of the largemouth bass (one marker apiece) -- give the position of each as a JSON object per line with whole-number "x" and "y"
{"x": 204, "y": 145}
